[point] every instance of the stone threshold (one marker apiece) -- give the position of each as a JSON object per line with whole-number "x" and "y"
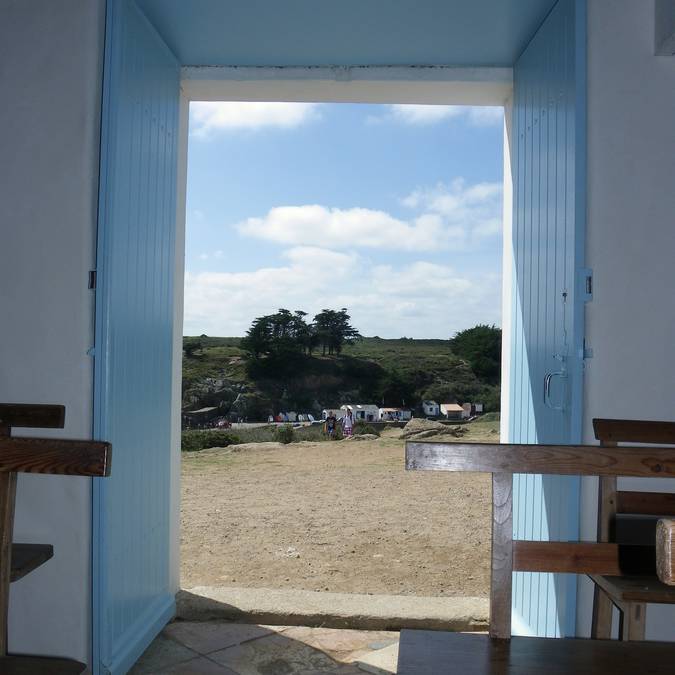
{"x": 289, "y": 607}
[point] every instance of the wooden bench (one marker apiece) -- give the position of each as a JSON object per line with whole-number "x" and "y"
{"x": 438, "y": 653}
{"x": 629, "y": 517}
{"x": 35, "y": 455}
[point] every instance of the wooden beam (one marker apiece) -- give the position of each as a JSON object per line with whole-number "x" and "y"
{"x": 574, "y": 460}
{"x": 646, "y": 503}
{"x": 54, "y": 456}
{"x": 502, "y": 558}
{"x": 583, "y": 558}
{"x": 566, "y": 557}
{"x": 634, "y": 431}
{"x": 31, "y": 415}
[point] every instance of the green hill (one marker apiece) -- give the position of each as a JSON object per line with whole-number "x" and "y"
{"x": 372, "y": 370}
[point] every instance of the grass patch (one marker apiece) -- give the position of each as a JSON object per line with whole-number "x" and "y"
{"x": 284, "y": 434}
{"x": 362, "y": 427}
{"x": 195, "y": 440}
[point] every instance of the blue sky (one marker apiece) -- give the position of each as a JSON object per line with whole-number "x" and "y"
{"x": 391, "y": 211}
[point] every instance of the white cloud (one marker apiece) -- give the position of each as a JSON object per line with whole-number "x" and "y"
{"x": 421, "y": 299}
{"x": 345, "y": 228}
{"x": 454, "y": 216}
{"x": 208, "y": 117}
{"x": 421, "y": 115}
{"x": 474, "y": 209}
{"x": 485, "y": 116}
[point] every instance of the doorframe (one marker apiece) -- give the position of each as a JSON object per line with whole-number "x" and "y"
{"x": 433, "y": 85}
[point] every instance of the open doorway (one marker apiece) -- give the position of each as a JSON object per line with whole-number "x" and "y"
{"x": 390, "y": 218}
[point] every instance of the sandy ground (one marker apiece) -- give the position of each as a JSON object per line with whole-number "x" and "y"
{"x": 341, "y": 516}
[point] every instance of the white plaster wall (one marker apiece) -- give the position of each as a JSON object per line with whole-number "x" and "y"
{"x": 50, "y": 69}
{"x": 630, "y": 242}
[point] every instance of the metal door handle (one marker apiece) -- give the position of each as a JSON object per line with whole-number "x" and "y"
{"x": 547, "y": 389}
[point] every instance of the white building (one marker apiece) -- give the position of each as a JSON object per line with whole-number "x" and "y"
{"x": 431, "y": 408}
{"x": 394, "y": 414}
{"x": 365, "y": 412}
{"x": 453, "y": 411}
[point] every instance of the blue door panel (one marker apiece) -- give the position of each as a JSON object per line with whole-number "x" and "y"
{"x": 134, "y": 326}
{"x": 548, "y": 160}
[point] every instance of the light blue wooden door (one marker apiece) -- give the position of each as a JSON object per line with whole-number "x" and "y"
{"x": 134, "y": 313}
{"x": 548, "y": 165}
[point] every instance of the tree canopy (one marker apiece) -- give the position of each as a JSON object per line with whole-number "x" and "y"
{"x": 287, "y": 334}
{"x": 481, "y": 348}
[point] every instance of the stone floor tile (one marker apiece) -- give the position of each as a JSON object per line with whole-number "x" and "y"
{"x": 198, "y": 666}
{"x": 380, "y": 662}
{"x": 279, "y": 655}
{"x": 205, "y": 637}
{"x": 160, "y": 655}
{"x": 342, "y": 645}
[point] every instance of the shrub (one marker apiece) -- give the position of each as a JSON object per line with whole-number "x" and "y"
{"x": 362, "y": 427}
{"x": 284, "y": 433}
{"x": 194, "y": 440}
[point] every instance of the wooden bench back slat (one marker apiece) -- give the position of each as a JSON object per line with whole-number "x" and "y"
{"x": 54, "y": 456}
{"x": 634, "y": 431}
{"x": 573, "y": 460}
{"x": 583, "y": 558}
{"x": 646, "y": 503}
{"x": 566, "y": 557}
{"x": 31, "y": 415}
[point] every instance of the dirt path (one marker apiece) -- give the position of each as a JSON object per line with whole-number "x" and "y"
{"x": 342, "y": 517}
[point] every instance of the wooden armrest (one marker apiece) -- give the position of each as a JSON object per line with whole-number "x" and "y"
{"x": 665, "y": 551}
{"x": 55, "y": 456}
{"x": 572, "y": 460}
{"x": 32, "y": 415}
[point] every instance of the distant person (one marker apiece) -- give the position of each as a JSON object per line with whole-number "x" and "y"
{"x": 330, "y": 425}
{"x": 347, "y": 424}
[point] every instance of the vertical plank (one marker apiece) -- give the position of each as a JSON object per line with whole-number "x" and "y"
{"x": 606, "y": 505}
{"x": 632, "y": 625}
{"x": 502, "y": 555}
{"x": 7, "y": 501}
{"x": 601, "y": 621}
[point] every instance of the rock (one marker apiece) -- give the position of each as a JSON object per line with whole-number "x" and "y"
{"x": 361, "y": 437}
{"x": 423, "y": 428}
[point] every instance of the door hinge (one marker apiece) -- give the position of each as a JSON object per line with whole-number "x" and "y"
{"x": 588, "y": 351}
{"x": 92, "y": 280}
{"x": 586, "y": 284}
